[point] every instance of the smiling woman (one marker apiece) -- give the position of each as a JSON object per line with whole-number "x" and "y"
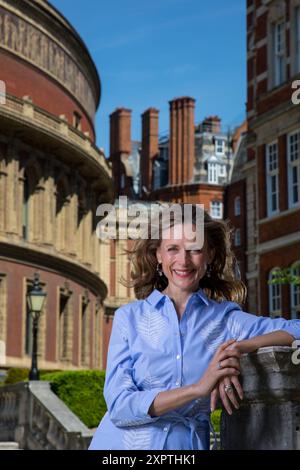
{"x": 175, "y": 348}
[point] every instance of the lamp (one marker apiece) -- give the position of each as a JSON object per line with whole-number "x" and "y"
{"x": 35, "y": 299}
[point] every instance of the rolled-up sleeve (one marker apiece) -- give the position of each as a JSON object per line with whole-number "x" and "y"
{"x": 127, "y": 405}
{"x": 242, "y": 325}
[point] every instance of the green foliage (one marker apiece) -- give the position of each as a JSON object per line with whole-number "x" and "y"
{"x": 285, "y": 276}
{"x": 19, "y": 374}
{"x": 15, "y": 375}
{"x": 216, "y": 419}
{"x": 82, "y": 392}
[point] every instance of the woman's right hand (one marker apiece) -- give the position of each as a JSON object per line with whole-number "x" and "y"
{"x": 224, "y": 363}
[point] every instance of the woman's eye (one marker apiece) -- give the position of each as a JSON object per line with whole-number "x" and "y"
{"x": 173, "y": 248}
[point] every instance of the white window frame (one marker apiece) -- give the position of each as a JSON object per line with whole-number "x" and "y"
{"x": 219, "y": 143}
{"x": 272, "y": 176}
{"x": 222, "y": 170}
{"x": 275, "y": 297}
{"x": 237, "y": 206}
{"x": 237, "y": 237}
{"x": 295, "y": 293}
{"x": 293, "y": 168}
{"x": 212, "y": 172}
{"x": 216, "y": 209}
{"x": 279, "y": 63}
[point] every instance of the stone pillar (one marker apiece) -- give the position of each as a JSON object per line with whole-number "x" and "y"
{"x": 269, "y": 415}
{"x": 182, "y": 140}
{"x": 149, "y": 147}
{"x": 3, "y": 195}
{"x": 12, "y": 184}
{"x": 50, "y": 200}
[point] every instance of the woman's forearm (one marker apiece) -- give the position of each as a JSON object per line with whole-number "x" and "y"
{"x": 276, "y": 338}
{"x": 172, "y": 399}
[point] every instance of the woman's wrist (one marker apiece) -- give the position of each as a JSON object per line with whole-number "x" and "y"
{"x": 197, "y": 390}
{"x": 247, "y": 345}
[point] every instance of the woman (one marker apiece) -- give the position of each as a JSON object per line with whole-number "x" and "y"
{"x": 180, "y": 342}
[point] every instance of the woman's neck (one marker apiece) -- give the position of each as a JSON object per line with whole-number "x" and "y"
{"x": 179, "y": 298}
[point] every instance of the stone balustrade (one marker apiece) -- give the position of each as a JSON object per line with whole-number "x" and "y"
{"x": 269, "y": 415}
{"x": 34, "y": 417}
{"x": 27, "y": 113}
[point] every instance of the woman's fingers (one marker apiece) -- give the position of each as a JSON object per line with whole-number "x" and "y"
{"x": 224, "y": 397}
{"x": 214, "y": 398}
{"x": 229, "y": 391}
{"x": 238, "y": 387}
{"x": 229, "y": 353}
{"x": 230, "y": 362}
{"x": 225, "y": 345}
{"x": 227, "y": 371}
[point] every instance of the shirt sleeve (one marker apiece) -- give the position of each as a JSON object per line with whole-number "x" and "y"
{"x": 127, "y": 405}
{"x": 242, "y": 325}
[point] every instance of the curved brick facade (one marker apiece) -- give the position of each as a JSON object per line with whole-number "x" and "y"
{"x": 52, "y": 178}
{"x": 42, "y": 56}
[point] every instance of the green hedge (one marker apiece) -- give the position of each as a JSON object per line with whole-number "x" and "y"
{"x": 215, "y": 419}
{"x": 82, "y": 392}
{"x": 15, "y": 375}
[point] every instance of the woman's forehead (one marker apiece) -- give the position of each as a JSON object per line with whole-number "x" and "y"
{"x": 182, "y": 233}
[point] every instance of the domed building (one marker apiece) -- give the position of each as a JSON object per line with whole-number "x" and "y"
{"x": 52, "y": 178}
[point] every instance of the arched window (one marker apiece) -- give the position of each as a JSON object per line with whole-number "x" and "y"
{"x": 295, "y": 291}
{"x": 274, "y": 297}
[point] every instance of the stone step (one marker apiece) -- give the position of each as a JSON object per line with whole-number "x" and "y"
{"x": 9, "y": 446}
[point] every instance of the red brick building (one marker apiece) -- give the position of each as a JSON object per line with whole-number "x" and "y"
{"x": 271, "y": 174}
{"x": 190, "y": 165}
{"x": 52, "y": 178}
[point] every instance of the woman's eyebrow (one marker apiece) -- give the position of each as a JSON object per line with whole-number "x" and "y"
{"x": 193, "y": 247}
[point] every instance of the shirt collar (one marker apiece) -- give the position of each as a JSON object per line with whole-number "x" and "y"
{"x": 156, "y": 296}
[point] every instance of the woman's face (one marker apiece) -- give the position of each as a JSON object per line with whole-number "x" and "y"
{"x": 183, "y": 262}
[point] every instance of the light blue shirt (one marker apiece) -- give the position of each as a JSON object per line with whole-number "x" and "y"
{"x": 151, "y": 351}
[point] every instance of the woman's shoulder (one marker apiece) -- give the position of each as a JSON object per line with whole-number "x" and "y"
{"x": 224, "y": 306}
{"x": 131, "y": 308}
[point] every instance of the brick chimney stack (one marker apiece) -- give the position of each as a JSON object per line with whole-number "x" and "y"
{"x": 120, "y": 146}
{"x": 149, "y": 147}
{"x": 212, "y": 124}
{"x": 182, "y": 140}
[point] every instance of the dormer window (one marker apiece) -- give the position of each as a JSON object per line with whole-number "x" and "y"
{"x": 220, "y": 146}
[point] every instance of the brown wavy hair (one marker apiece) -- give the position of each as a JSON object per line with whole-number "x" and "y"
{"x": 222, "y": 283}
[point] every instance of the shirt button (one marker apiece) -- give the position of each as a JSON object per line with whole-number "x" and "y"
{"x": 178, "y": 356}
{"x": 177, "y": 383}
{"x": 165, "y": 429}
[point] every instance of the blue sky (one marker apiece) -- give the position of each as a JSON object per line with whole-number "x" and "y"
{"x": 148, "y": 52}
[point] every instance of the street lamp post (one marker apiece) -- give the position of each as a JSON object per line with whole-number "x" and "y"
{"x": 35, "y": 299}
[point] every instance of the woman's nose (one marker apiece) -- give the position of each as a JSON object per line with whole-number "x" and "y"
{"x": 184, "y": 256}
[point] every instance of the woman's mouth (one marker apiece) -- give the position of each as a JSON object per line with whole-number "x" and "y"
{"x": 183, "y": 273}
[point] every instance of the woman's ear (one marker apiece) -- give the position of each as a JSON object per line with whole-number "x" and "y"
{"x": 158, "y": 255}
